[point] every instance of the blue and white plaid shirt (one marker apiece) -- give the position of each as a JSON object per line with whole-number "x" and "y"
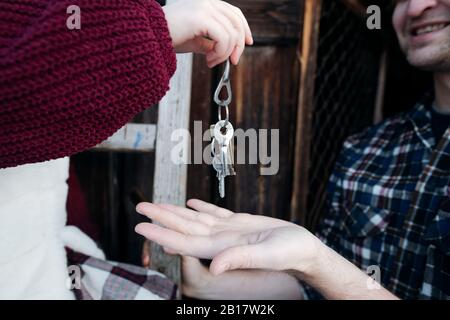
{"x": 390, "y": 205}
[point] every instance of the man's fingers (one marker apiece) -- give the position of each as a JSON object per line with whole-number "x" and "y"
{"x": 209, "y": 208}
{"x": 203, "y": 247}
{"x": 195, "y": 246}
{"x": 162, "y": 236}
{"x": 176, "y": 242}
{"x": 165, "y": 217}
{"x": 183, "y": 212}
{"x": 205, "y": 219}
{"x": 170, "y": 251}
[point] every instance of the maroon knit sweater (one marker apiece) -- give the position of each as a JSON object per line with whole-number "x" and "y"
{"x": 63, "y": 91}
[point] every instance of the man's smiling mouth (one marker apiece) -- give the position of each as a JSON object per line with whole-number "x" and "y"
{"x": 428, "y": 28}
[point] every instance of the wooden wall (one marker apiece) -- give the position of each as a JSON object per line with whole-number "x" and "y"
{"x": 265, "y": 87}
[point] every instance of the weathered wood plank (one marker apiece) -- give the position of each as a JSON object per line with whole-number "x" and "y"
{"x": 379, "y": 103}
{"x": 264, "y": 85}
{"x": 171, "y": 177}
{"x": 130, "y": 138}
{"x": 204, "y": 112}
{"x": 307, "y": 53}
{"x": 272, "y": 21}
{"x": 357, "y": 6}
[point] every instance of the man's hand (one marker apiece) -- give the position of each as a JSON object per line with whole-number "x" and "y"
{"x": 211, "y": 27}
{"x": 243, "y": 241}
{"x": 232, "y": 240}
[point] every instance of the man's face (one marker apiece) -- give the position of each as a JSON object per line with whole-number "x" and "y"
{"x": 423, "y": 30}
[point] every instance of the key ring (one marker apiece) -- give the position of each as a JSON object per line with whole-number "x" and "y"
{"x": 227, "y": 114}
{"x": 224, "y": 82}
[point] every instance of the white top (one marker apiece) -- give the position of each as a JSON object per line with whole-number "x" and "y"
{"x": 33, "y": 234}
{"x": 32, "y": 216}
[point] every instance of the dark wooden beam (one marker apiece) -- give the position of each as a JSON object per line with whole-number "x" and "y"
{"x": 272, "y": 21}
{"x": 307, "y": 54}
{"x": 356, "y": 6}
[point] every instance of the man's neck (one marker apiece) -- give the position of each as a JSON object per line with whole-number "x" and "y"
{"x": 442, "y": 91}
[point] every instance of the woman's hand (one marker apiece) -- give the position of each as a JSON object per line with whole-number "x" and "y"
{"x": 199, "y": 283}
{"x": 196, "y": 278}
{"x": 211, "y": 27}
{"x": 232, "y": 240}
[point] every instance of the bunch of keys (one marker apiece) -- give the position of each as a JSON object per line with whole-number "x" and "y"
{"x": 222, "y": 134}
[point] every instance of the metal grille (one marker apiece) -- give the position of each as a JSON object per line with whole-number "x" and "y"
{"x": 345, "y": 91}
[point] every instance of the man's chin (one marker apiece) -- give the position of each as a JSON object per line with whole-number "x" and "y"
{"x": 429, "y": 61}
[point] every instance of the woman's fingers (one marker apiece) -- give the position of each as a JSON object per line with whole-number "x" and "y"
{"x": 238, "y": 24}
{"x": 229, "y": 42}
{"x": 248, "y": 32}
{"x": 216, "y": 32}
{"x": 209, "y": 208}
{"x": 233, "y": 21}
{"x": 192, "y": 262}
{"x": 197, "y": 45}
{"x": 190, "y": 22}
{"x": 238, "y": 257}
{"x": 238, "y": 19}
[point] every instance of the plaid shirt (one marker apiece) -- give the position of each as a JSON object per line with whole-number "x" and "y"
{"x": 390, "y": 205}
{"x": 108, "y": 280}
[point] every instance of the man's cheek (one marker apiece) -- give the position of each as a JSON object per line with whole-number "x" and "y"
{"x": 397, "y": 26}
{"x": 399, "y": 23}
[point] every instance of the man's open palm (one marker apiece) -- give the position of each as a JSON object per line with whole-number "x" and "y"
{"x": 232, "y": 240}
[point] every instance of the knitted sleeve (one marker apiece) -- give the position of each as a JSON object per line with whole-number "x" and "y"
{"x": 63, "y": 91}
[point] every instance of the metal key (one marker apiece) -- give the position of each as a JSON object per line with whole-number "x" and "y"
{"x": 223, "y": 133}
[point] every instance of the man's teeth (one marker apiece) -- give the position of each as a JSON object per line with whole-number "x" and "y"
{"x": 429, "y": 29}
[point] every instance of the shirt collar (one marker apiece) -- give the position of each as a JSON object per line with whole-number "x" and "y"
{"x": 420, "y": 117}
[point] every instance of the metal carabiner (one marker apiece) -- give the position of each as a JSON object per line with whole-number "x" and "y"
{"x": 224, "y": 82}
{"x": 227, "y": 114}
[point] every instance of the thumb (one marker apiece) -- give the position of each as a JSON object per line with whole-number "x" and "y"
{"x": 192, "y": 267}
{"x": 191, "y": 262}
{"x": 197, "y": 45}
{"x": 240, "y": 257}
